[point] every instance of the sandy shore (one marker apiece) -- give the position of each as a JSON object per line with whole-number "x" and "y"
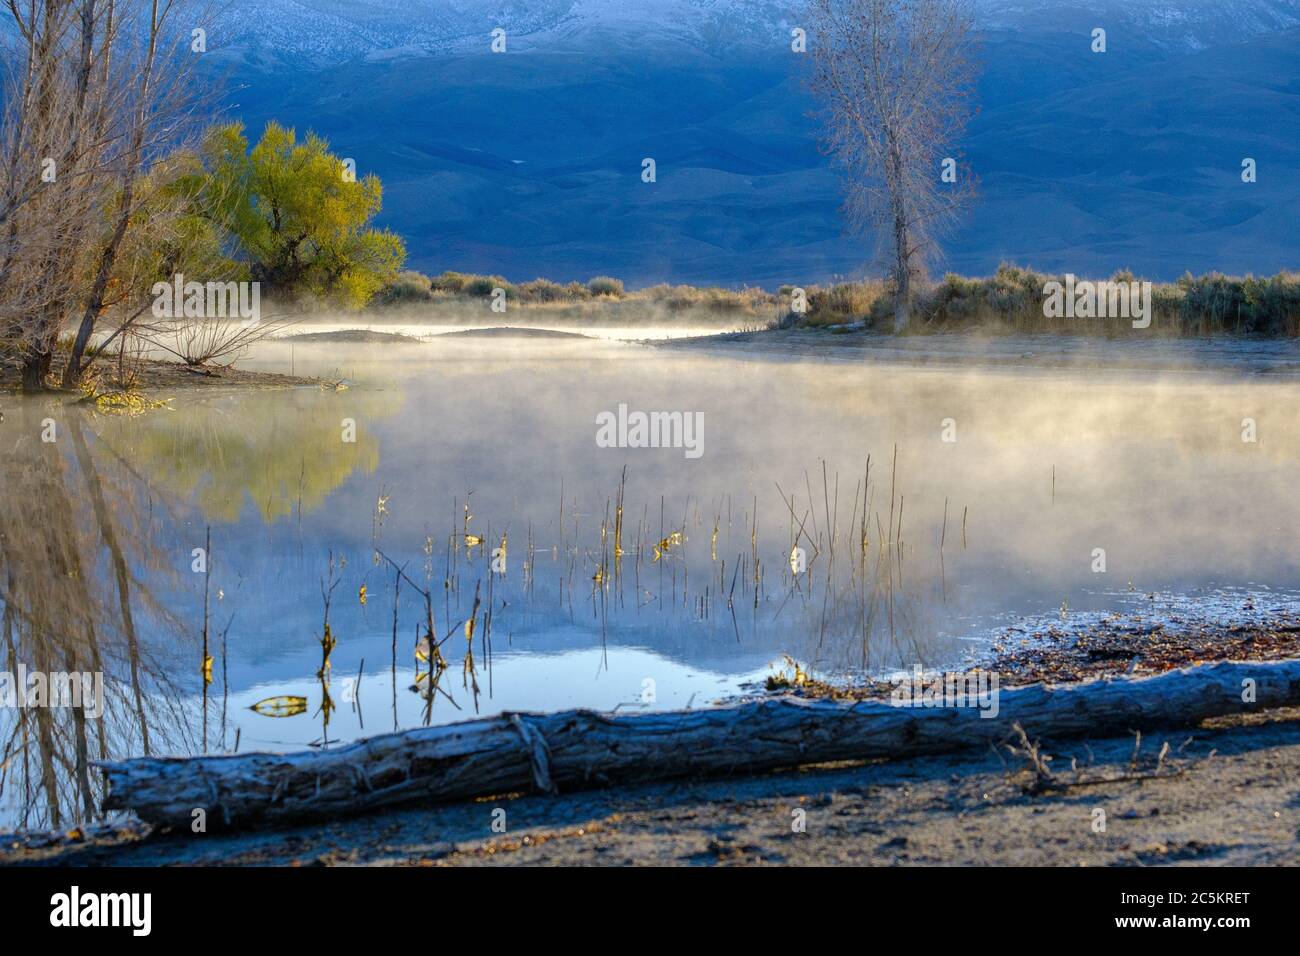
{"x": 154, "y": 375}
{"x": 1227, "y": 792}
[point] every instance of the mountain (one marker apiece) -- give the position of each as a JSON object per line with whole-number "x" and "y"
{"x": 1168, "y": 24}
{"x": 330, "y": 31}
{"x": 528, "y": 163}
{"x": 272, "y": 34}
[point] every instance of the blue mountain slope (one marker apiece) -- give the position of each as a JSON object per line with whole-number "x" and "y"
{"x": 529, "y": 163}
{"x": 1144, "y": 168}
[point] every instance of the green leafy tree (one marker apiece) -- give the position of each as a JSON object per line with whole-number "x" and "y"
{"x": 296, "y": 217}
{"x": 170, "y": 232}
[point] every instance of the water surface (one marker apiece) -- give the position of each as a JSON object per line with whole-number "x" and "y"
{"x": 934, "y": 507}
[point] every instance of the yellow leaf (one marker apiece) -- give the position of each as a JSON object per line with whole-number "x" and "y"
{"x": 281, "y": 706}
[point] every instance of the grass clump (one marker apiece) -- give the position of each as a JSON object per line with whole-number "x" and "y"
{"x": 1010, "y": 300}
{"x": 846, "y": 302}
{"x": 543, "y": 291}
{"x": 605, "y": 285}
{"x": 409, "y": 288}
{"x": 481, "y": 287}
{"x": 680, "y": 298}
{"x": 451, "y": 283}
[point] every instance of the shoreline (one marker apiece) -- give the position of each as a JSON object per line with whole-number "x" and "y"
{"x": 1092, "y": 645}
{"x": 1224, "y": 356}
{"x": 1163, "y": 791}
{"x": 157, "y": 374}
{"x": 977, "y": 808}
{"x": 1272, "y": 357}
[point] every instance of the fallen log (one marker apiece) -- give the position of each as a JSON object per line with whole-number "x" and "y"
{"x": 581, "y": 748}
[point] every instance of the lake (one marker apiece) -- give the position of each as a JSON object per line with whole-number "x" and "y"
{"x": 855, "y": 518}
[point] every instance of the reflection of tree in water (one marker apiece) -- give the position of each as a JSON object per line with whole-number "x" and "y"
{"x": 283, "y": 454}
{"x": 84, "y": 526}
{"x": 74, "y": 546}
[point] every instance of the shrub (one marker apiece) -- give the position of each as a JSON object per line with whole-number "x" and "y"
{"x": 846, "y": 302}
{"x": 605, "y": 285}
{"x": 482, "y": 286}
{"x": 542, "y": 290}
{"x": 1009, "y": 300}
{"x": 1219, "y": 303}
{"x": 713, "y": 298}
{"x": 407, "y": 289}
{"x": 453, "y": 282}
{"x": 1200, "y": 305}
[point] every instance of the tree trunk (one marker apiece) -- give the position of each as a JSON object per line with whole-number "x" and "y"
{"x": 95, "y": 303}
{"x": 902, "y": 282}
{"x": 135, "y": 161}
{"x": 902, "y": 241}
{"x": 36, "y": 368}
{"x": 578, "y": 748}
{"x": 121, "y": 569}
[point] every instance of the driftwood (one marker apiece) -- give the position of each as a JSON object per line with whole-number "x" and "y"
{"x": 577, "y": 749}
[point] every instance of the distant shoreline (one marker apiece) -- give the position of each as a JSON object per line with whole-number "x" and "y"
{"x": 1225, "y": 354}
{"x": 155, "y": 374}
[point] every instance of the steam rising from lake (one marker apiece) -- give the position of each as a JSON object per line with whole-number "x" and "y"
{"x": 1046, "y": 468}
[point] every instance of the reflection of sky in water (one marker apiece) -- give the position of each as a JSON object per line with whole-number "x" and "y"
{"x": 617, "y": 679}
{"x": 1153, "y": 470}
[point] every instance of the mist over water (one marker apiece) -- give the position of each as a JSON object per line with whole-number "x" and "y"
{"x": 921, "y": 558}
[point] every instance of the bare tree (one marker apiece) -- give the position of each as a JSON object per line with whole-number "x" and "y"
{"x": 159, "y": 108}
{"x": 95, "y": 93}
{"x": 56, "y": 139}
{"x": 895, "y": 79}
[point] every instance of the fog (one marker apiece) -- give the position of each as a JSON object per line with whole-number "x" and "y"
{"x": 1044, "y": 477}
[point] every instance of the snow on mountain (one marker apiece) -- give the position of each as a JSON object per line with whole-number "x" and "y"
{"x": 1185, "y": 24}
{"x": 271, "y": 32}
{"x": 324, "y": 31}
{"x": 274, "y": 34}
{"x": 529, "y": 164}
